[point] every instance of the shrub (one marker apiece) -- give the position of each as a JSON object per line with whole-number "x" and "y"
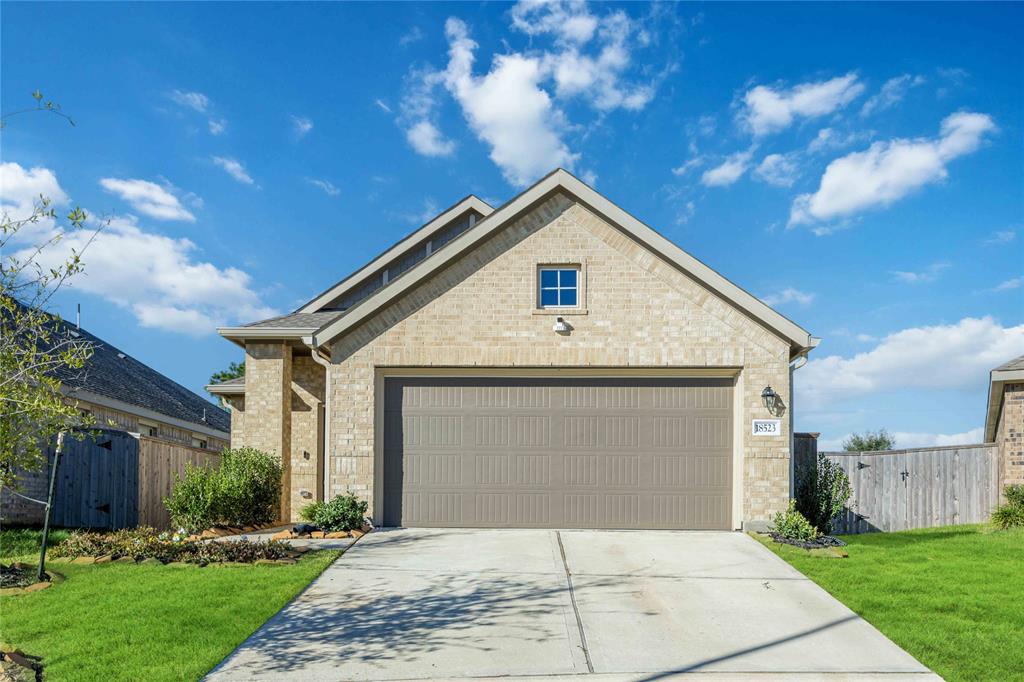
{"x": 1010, "y": 514}
{"x": 344, "y": 512}
{"x": 148, "y": 543}
{"x": 244, "y": 490}
{"x": 792, "y": 525}
{"x": 822, "y": 491}
{"x": 869, "y": 441}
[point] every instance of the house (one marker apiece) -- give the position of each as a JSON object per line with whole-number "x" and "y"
{"x": 552, "y": 362}
{"x": 122, "y": 393}
{"x": 1004, "y": 419}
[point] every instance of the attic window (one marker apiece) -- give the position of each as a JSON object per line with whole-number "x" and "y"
{"x": 559, "y": 287}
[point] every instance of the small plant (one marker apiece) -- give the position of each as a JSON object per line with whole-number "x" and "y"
{"x": 244, "y": 490}
{"x": 822, "y": 492}
{"x": 1010, "y": 514}
{"x": 792, "y": 525}
{"x": 344, "y": 512}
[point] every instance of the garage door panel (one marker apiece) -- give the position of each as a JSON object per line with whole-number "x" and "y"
{"x": 587, "y": 453}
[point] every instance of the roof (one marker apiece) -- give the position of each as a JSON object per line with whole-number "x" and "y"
{"x": 1011, "y": 371}
{"x": 234, "y": 386}
{"x": 561, "y": 180}
{"x": 116, "y": 379}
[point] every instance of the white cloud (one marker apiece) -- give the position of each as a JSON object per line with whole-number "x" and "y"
{"x": 788, "y": 295}
{"x": 830, "y": 138}
{"x": 888, "y": 171}
{"x": 929, "y": 274}
{"x": 780, "y": 170}
{"x": 768, "y": 110}
{"x": 148, "y": 198}
{"x": 192, "y": 100}
{"x": 905, "y": 439}
{"x": 158, "y": 278}
{"x": 507, "y": 109}
{"x": 515, "y": 105}
{"x": 382, "y": 105}
{"x": 234, "y": 168}
{"x": 426, "y": 139}
{"x": 569, "y": 21}
{"x": 865, "y": 338}
{"x": 200, "y": 103}
{"x": 688, "y": 165}
{"x": 301, "y": 126}
{"x": 1010, "y": 284}
{"x": 727, "y": 172}
{"x": 21, "y": 189}
{"x": 327, "y": 186}
{"x": 951, "y": 356}
{"x": 217, "y": 126}
{"x": 892, "y": 93}
{"x": 1001, "y": 237}
{"x": 413, "y": 35}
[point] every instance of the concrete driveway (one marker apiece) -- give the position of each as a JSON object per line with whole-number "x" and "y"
{"x": 614, "y": 605}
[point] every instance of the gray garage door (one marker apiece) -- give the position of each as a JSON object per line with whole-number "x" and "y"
{"x": 558, "y": 453}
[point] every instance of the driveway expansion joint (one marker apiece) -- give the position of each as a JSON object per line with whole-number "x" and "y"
{"x": 575, "y": 608}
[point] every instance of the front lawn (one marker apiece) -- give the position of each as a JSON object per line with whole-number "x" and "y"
{"x": 133, "y": 621}
{"x": 953, "y": 597}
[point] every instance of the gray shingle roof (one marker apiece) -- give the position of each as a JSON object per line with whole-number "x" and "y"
{"x": 300, "y": 320}
{"x": 114, "y": 374}
{"x": 1016, "y": 363}
{"x": 240, "y": 381}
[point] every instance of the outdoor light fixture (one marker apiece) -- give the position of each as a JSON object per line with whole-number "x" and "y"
{"x": 561, "y": 326}
{"x": 769, "y": 397}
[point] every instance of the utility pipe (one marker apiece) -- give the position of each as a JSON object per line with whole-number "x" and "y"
{"x": 319, "y": 359}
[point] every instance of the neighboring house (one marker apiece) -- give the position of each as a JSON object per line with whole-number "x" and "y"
{"x": 124, "y": 394}
{"x": 550, "y": 363}
{"x": 1004, "y": 419}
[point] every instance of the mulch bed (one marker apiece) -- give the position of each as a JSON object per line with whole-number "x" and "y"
{"x": 820, "y": 542}
{"x": 16, "y": 575}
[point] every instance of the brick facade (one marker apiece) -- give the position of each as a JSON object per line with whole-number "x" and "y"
{"x": 639, "y": 312}
{"x": 1010, "y": 436}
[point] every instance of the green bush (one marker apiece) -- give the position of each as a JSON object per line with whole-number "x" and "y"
{"x": 792, "y": 525}
{"x": 148, "y": 543}
{"x": 822, "y": 491}
{"x": 244, "y": 490}
{"x": 344, "y": 512}
{"x": 1010, "y": 514}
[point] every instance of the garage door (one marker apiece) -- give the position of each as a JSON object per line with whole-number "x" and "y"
{"x": 558, "y": 453}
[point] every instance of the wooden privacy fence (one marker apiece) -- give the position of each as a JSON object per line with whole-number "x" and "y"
{"x": 119, "y": 480}
{"x": 920, "y": 488}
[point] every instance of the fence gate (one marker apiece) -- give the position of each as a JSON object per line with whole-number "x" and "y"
{"x": 97, "y": 482}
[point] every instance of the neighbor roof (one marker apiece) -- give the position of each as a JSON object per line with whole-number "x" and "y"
{"x": 1008, "y": 372}
{"x": 115, "y": 379}
{"x": 561, "y": 180}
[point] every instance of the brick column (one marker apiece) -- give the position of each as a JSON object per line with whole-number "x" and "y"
{"x": 1010, "y": 437}
{"x": 268, "y": 406}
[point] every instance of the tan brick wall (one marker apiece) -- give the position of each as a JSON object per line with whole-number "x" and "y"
{"x": 108, "y": 417}
{"x": 268, "y": 406}
{"x": 307, "y": 394}
{"x": 641, "y": 312}
{"x": 1010, "y": 437}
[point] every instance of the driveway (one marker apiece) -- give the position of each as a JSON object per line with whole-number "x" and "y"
{"x": 614, "y": 605}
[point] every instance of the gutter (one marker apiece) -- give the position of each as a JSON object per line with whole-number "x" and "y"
{"x": 796, "y": 363}
{"x": 320, "y": 360}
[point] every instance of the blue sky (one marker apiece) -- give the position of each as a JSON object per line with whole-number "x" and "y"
{"x": 859, "y": 166}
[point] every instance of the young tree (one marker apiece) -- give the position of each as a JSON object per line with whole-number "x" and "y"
{"x": 869, "y": 440}
{"x": 35, "y": 349}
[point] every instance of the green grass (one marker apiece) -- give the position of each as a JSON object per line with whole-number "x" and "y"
{"x": 24, "y": 542}
{"x": 134, "y": 622}
{"x": 953, "y": 597}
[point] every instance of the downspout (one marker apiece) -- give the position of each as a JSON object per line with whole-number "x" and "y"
{"x": 319, "y": 359}
{"x": 795, "y": 364}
